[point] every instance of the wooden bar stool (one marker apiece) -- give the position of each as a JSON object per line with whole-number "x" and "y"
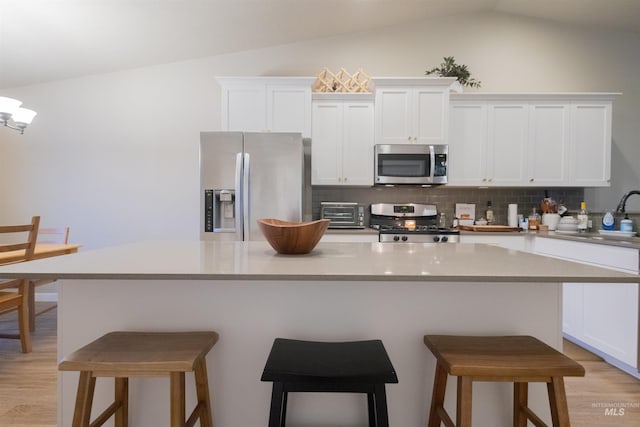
{"x": 516, "y": 359}
{"x": 130, "y": 354}
{"x": 338, "y": 367}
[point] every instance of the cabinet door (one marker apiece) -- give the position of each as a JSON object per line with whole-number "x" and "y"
{"x": 288, "y": 109}
{"x": 591, "y": 144}
{"x": 326, "y": 143}
{"x": 468, "y": 144}
{"x": 548, "y": 151}
{"x": 243, "y": 108}
{"x": 507, "y": 137}
{"x": 572, "y": 309}
{"x": 393, "y": 116}
{"x": 611, "y": 319}
{"x": 429, "y": 119}
{"x": 357, "y": 143}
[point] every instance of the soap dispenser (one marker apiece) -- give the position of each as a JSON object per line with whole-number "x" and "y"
{"x": 608, "y": 221}
{"x": 626, "y": 225}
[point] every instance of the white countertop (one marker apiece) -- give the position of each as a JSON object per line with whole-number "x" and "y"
{"x": 328, "y": 261}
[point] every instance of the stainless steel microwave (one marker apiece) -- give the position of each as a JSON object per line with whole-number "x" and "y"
{"x": 413, "y": 164}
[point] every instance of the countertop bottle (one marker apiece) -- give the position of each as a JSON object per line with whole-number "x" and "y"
{"x": 489, "y": 213}
{"x": 534, "y": 219}
{"x": 626, "y": 224}
{"x": 608, "y": 221}
{"x": 583, "y": 218}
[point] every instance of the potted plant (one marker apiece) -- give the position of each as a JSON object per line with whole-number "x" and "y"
{"x": 449, "y": 68}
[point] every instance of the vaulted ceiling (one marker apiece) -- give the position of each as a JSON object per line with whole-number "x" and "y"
{"x": 44, "y": 40}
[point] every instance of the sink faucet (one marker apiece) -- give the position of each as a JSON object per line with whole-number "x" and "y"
{"x": 623, "y": 201}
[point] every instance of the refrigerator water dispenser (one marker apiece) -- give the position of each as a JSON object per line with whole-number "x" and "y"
{"x": 219, "y": 208}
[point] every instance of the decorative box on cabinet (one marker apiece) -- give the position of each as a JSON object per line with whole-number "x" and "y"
{"x": 530, "y": 140}
{"x": 412, "y": 110}
{"x": 271, "y": 104}
{"x": 342, "y": 139}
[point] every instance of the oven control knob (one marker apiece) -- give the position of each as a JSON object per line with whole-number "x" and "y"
{"x": 444, "y": 239}
{"x": 404, "y": 238}
{"x": 396, "y": 238}
{"x": 436, "y": 239}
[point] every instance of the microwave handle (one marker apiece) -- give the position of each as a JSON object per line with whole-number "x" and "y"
{"x": 432, "y": 161}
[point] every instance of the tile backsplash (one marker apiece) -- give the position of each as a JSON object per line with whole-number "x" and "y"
{"x": 445, "y": 198}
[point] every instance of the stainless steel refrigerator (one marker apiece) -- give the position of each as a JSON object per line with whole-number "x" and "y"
{"x": 245, "y": 176}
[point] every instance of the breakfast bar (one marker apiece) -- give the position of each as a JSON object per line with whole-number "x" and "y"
{"x": 339, "y": 292}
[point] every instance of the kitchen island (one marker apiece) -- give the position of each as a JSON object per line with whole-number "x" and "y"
{"x": 340, "y": 291}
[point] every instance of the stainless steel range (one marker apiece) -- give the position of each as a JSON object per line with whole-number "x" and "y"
{"x": 411, "y": 223}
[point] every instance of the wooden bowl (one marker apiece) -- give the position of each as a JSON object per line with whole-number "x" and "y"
{"x": 293, "y": 237}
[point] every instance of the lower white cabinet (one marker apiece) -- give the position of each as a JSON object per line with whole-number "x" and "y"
{"x": 604, "y": 316}
{"x": 345, "y": 237}
{"x": 515, "y": 241}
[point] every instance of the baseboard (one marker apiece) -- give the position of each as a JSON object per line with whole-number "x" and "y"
{"x": 626, "y": 368}
{"x": 46, "y": 296}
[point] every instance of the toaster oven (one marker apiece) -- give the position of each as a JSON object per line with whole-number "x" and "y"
{"x": 343, "y": 214}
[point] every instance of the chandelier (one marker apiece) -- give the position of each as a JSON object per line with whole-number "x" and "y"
{"x": 13, "y": 116}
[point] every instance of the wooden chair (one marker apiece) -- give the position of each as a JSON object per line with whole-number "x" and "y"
{"x": 53, "y": 235}
{"x": 45, "y": 235}
{"x": 516, "y": 359}
{"x": 17, "y": 301}
{"x": 121, "y": 355}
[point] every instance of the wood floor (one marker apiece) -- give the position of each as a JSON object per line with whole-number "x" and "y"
{"x": 604, "y": 397}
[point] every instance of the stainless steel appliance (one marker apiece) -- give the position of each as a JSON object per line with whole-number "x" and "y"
{"x": 411, "y": 223}
{"x": 245, "y": 176}
{"x": 343, "y": 214}
{"x": 413, "y": 164}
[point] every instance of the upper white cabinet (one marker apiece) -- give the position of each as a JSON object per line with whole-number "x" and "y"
{"x": 412, "y": 110}
{"x": 591, "y": 139}
{"x": 266, "y": 104}
{"x": 506, "y": 143}
{"x": 549, "y": 142}
{"x": 342, "y": 139}
{"x": 537, "y": 140}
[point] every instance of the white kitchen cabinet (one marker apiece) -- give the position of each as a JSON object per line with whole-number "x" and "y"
{"x": 507, "y": 143}
{"x": 488, "y": 143}
{"x": 266, "y": 104}
{"x": 534, "y": 140}
{"x": 548, "y": 143}
{"x": 591, "y": 137}
{"x": 601, "y": 316}
{"x": 468, "y": 144}
{"x": 516, "y": 241}
{"x": 346, "y": 237}
{"x": 412, "y": 110}
{"x": 342, "y": 140}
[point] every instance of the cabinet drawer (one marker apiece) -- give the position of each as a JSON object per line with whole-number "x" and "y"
{"x": 601, "y": 255}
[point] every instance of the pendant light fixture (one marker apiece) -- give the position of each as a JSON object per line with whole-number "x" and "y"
{"x": 13, "y": 116}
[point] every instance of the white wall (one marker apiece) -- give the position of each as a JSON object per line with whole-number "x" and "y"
{"x": 115, "y": 156}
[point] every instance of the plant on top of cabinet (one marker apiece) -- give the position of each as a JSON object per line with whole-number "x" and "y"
{"x": 449, "y": 68}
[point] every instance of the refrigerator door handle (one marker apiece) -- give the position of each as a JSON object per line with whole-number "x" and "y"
{"x": 246, "y": 197}
{"x": 238, "y": 197}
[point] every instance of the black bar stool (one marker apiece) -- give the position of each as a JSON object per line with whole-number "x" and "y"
{"x": 333, "y": 367}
